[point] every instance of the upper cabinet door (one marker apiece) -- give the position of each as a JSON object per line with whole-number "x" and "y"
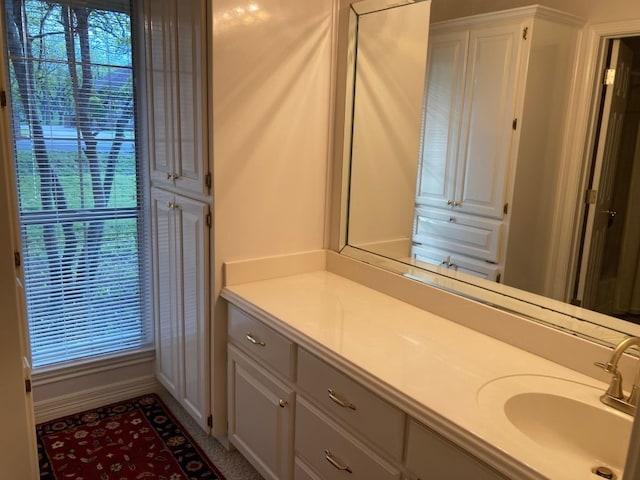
{"x": 176, "y": 84}
{"x": 443, "y": 112}
{"x": 488, "y": 118}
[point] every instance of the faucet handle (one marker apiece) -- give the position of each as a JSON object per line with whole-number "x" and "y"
{"x": 615, "y": 387}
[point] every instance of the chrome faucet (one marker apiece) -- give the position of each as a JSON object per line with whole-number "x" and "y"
{"x": 614, "y": 396}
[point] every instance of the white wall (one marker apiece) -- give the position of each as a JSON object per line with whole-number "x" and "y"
{"x": 272, "y": 63}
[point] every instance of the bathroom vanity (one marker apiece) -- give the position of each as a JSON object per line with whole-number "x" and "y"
{"x": 329, "y": 378}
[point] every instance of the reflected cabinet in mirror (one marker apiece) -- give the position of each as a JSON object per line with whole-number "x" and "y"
{"x": 462, "y": 166}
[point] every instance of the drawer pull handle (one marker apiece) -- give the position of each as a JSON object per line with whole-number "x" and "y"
{"x": 339, "y": 401}
{"x": 255, "y": 341}
{"x": 334, "y": 462}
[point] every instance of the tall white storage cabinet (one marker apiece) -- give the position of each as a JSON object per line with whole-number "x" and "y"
{"x": 494, "y": 121}
{"x": 176, "y": 36}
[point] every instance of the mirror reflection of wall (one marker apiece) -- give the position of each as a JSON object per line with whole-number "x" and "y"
{"x": 389, "y": 86}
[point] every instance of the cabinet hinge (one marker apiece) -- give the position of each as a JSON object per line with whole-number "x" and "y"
{"x": 209, "y": 219}
{"x": 505, "y": 208}
{"x": 207, "y": 180}
{"x": 609, "y": 76}
{"x": 591, "y": 196}
{"x": 514, "y": 125}
{"x": 3, "y": 99}
{"x": 498, "y": 278}
{"x": 210, "y": 421}
{"x": 27, "y": 385}
{"x": 17, "y": 259}
{"x": 525, "y": 33}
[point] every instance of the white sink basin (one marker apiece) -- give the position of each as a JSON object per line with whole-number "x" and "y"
{"x": 558, "y": 419}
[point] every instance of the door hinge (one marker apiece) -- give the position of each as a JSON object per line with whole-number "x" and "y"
{"x": 505, "y": 208}
{"x": 591, "y": 196}
{"x": 514, "y": 125}
{"x": 27, "y": 385}
{"x": 207, "y": 180}
{"x": 3, "y": 98}
{"x": 609, "y": 76}
{"x": 209, "y": 219}
{"x": 525, "y": 32}
{"x": 498, "y": 278}
{"x": 210, "y": 421}
{"x": 17, "y": 259}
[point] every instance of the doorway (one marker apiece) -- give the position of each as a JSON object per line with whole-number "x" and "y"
{"x": 608, "y": 278}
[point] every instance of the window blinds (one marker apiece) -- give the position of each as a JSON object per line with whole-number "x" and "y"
{"x": 81, "y": 202}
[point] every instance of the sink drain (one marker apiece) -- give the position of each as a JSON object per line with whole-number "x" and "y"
{"x": 604, "y": 472}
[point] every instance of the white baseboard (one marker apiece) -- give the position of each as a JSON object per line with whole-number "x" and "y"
{"x": 75, "y": 402}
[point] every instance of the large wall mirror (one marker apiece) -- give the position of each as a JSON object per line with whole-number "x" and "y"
{"x": 460, "y": 166}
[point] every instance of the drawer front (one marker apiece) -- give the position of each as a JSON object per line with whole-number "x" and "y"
{"x": 261, "y": 341}
{"x": 332, "y": 452}
{"x": 431, "y": 456}
{"x": 467, "y": 234}
{"x": 355, "y": 406}
{"x": 456, "y": 262}
{"x": 302, "y": 471}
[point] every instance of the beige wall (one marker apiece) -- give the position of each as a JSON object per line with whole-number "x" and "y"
{"x": 271, "y": 111}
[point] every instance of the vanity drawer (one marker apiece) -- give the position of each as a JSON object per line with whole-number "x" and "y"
{"x": 261, "y": 341}
{"x": 355, "y": 406}
{"x": 431, "y": 456}
{"x": 457, "y": 263}
{"x": 332, "y": 452}
{"x": 467, "y": 234}
{"x": 302, "y": 471}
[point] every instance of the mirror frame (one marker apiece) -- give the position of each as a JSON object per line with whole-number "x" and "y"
{"x": 583, "y": 113}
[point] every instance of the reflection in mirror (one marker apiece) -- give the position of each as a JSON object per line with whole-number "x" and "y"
{"x": 455, "y": 163}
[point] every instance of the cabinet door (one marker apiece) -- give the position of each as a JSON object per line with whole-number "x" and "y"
{"x": 192, "y": 235}
{"x": 177, "y": 66}
{"x": 431, "y": 457}
{"x": 191, "y": 63}
{"x": 443, "y": 112}
{"x": 487, "y": 121}
{"x": 260, "y": 417}
{"x": 160, "y": 89}
{"x": 168, "y": 331}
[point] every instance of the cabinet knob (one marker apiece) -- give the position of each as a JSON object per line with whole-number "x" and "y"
{"x": 452, "y": 219}
{"x": 283, "y": 403}
{"x": 457, "y": 204}
{"x": 449, "y": 202}
{"x": 255, "y": 340}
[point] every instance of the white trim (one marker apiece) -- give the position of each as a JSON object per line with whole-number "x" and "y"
{"x": 90, "y": 366}
{"x": 581, "y": 125}
{"x": 94, "y": 397}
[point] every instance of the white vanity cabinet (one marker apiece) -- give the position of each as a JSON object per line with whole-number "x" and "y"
{"x": 493, "y": 130}
{"x": 431, "y": 457}
{"x": 296, "y": 415}
{"x": 177, "y": 107}
{"x": 180, "y": 285}
{"x": 261, "y": 399}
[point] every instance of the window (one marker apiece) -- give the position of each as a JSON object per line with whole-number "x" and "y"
{"x": 80, "y": 196}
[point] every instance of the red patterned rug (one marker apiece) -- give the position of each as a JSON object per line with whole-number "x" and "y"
{"x": 135, "y": 439}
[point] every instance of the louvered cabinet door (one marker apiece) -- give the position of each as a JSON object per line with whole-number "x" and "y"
{"x": 177, "y": 94}
{"x": 192, "y": 237}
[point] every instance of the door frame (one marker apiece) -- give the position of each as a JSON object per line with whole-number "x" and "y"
{"x": 579, "y": 144}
